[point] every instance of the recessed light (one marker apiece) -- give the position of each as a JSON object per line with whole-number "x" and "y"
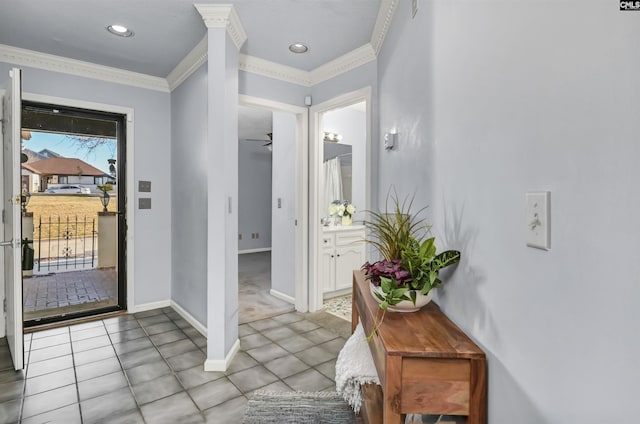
{"x": 119, "y": 30}
{"x": 299, "y": 48}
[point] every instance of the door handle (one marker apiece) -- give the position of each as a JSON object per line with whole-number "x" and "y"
{"x": 10, "y": 243}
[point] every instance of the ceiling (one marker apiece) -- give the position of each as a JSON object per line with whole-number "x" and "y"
{"x": 166, "y": 30}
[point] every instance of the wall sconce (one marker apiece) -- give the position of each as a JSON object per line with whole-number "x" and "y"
{"x": 390, "y": 139}
{"x": 24, "y": 201}
{"x": 332, "y": 137}
{"x": 105, "y": 200}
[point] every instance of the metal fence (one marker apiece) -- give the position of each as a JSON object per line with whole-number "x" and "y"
{"x": 64, "y": 243}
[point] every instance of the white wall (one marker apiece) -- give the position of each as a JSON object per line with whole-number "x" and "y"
{"x": 254, "y": 195}
{"x": 152, "y": 162}
{"x": 189, "y": 194}
{"x": 506, "y": 97}
{"x": 283, "y": 239}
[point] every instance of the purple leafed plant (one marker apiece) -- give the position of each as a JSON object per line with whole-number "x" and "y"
{"x": 390, "y": 269}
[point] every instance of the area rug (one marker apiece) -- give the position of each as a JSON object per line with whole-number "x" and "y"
{"x": 339, "y": 306}
{"x": 298, "y": 407}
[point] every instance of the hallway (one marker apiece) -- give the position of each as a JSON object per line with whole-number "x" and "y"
{"x": 254, "y": 284}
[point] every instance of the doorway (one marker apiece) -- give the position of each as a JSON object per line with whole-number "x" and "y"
{"x": 286, "y": 201}
{"x": 340, "y": 133}
{"x": 74, "y": 221}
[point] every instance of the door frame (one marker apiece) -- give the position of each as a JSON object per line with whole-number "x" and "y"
{"x": 315, "y": 159}
{"x": 301, "y": 250}
{"x": 129, "y": 174}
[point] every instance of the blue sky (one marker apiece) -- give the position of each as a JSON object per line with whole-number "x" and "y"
{"x": 63, "y": 145}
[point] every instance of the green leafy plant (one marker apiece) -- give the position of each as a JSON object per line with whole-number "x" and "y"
{"x": 411, "y": 263}
{"x": 395, "y": 227}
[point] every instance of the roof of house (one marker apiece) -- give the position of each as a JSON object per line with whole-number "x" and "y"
{"x": 62, "y": 166}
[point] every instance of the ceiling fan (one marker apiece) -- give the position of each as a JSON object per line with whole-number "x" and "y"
{"x": 267, "y": 142}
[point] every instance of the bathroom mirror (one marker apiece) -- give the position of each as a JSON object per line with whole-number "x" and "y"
{"x": 344, "y": 142}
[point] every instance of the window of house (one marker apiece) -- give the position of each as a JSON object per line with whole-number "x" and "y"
{"x": 63, "y": 179}
{"x": 98, "y": 180}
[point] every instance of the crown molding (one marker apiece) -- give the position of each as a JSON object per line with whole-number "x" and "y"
{"x": 187, "y": 66}
{"x": 214, "y": 16}
{"x": 344, "y": 63}
{"x": 269, "y": 69}
{"x": 23, "y": 57}
{"x": 385, "y": 14}
{"x": 223, "y": 16}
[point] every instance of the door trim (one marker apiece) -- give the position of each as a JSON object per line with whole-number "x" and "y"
{"x": 129, "y": 171}
{"x": 2, "y": 287}
{"x": 302, "y": 192}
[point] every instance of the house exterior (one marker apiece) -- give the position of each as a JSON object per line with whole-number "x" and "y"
{"x": 46, "y": 173}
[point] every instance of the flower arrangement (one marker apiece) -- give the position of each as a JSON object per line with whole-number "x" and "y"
{"x": 410, "y": 264}
{"x": 342, "y": 208}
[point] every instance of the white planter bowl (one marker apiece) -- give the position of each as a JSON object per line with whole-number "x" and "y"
{"x": 404, "y": 305}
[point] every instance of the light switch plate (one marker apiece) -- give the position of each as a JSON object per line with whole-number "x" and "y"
{"x": 144, "y": 203}
{"x": 390, "y": 140}
{"x": 538, "y": 220}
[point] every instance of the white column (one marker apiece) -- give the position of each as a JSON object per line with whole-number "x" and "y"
{"x": 225, "y": 36}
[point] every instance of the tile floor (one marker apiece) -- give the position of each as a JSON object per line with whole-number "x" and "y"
{"x": 147, "y": 367}
{"x": 254, "y": 285}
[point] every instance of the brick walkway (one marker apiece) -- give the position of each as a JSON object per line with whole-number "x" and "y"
{"x": 64, "y": 292}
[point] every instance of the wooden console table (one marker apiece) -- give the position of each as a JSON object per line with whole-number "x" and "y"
{"x": 426, "y": 364}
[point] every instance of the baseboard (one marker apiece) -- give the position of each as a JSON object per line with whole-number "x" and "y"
{"x": 152, "y": 305}
{"x": 258, "y": 250}
{"x": 189, "y": 318}
{"x": 282, "y": 296}
{"x": 222, "y": 364}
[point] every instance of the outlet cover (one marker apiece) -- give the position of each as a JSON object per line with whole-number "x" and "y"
{"x": 144, "y": 186}
{"x": 538, "y": 220}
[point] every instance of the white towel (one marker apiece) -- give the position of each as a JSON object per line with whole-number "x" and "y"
{"x": 355, "y": 367}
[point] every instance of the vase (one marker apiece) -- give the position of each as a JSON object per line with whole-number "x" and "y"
{"x": 347, "y": 220}
{"x": 404, "y": 305}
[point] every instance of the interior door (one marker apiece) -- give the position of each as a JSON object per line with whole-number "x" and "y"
{"x": 11, "y": 216}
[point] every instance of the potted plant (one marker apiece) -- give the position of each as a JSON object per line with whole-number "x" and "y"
{"x": 406, "y": 276}
{"x": 344, "y": 209}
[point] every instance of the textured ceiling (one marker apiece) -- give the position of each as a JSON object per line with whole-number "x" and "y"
{"x": 166, "y": 30}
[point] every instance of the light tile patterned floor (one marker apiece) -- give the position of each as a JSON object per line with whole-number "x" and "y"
{"x": 147, "y": 367}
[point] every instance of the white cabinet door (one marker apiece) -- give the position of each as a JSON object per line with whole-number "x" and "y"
{"x": 327, "y": 269}
{"x": 348, "y": 258}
